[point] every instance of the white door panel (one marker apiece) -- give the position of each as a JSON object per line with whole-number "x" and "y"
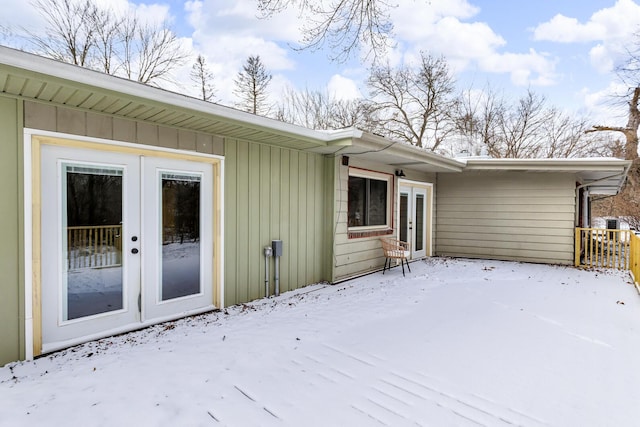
{"x": 177, "y": 236}
{"x": 90, "y": 278}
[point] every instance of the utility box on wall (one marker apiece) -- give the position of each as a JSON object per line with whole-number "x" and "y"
{"x": 277, "y": 247}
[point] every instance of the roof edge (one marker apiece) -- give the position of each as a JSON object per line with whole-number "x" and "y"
{"x": 75, "y": 74}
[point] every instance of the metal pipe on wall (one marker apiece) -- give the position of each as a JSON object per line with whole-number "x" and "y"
{"x": 277, "y": 253}
{"x": 267, "y": 254}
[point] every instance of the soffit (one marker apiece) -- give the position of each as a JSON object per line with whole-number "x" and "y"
{"x": 31, "y": 77}
{"x": 602, "y": 176}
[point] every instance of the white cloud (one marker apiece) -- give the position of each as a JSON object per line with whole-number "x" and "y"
{"x": 240, "y": 17}
{"x": 343, "y": 88}
{"x": 568, "y": 30}
{"x": 611, "y": 27}
{"x": 525, "y": 69}
{"x": 613, "y": 22}
{"x": 228, "y": 31}
{"x": 447, "y": 28}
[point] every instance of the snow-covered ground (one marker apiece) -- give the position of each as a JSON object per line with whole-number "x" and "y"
{"x": 455, "y": 343}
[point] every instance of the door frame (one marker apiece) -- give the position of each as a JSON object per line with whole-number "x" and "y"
{"x": 428, "y": 188}
{"x": 33, "y": 140}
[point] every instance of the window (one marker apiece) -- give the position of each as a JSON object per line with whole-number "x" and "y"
{"x": 369, "y": 196}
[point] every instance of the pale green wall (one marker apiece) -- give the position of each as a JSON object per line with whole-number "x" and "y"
{"x": 11, "y": 224}
{"x": 274, "y": 193}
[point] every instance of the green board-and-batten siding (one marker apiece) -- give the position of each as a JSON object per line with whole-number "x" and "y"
{"x": 274, "y": 193}
{"x": 516, "y": 216}
{"x": 12, "y": 313}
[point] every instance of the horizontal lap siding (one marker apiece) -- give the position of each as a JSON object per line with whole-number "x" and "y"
{"x": 273, "y": 193}
{"x": 512, "y": 216}
{"x": 356, "y": 256}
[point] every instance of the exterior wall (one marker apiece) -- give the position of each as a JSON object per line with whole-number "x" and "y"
{"x": 355, "y": 256}
{"x": 76, "y": 122}
{"x": 274, "y": 193}
{"x": 508, "y": 216}
{"x": 12, "y": 312}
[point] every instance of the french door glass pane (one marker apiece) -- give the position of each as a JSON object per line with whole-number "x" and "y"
{"x": 404, "y": 216}
{"x": 92, "y": 240}
{"x": 180, "y": 235}
{"x": 419, "y": 243}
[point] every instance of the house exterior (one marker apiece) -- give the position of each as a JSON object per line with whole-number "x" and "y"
{"x": 125, "y": 205}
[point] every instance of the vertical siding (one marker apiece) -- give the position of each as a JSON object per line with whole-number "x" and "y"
{"x": 11, "y": 249}
{"x": 354, "y": 256}
{"x": 273, "y": 193}
{"x": 509, "y": 216}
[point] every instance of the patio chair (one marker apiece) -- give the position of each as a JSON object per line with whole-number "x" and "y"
{"x": 395, "y": 249}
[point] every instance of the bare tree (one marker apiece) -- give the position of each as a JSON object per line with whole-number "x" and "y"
{"x": 203, "y": 78}
{"x": 345, "y": 26}
{"x": 251, "y": 85}
{"x": 630, "y": 131}
{"x": 520, "y": 129}
{"x": 627, "y": 203}
{"x": 84, "y": 34}
{"x": 318, "y": 110}
{"x": 151, "y": 51}
{"x": 70, "y": 32}
{"x": 564, "y": 136}
{"x": 526, "y": 128}
{"x": 476, "y": 118}
{"x": 414, "y": 105}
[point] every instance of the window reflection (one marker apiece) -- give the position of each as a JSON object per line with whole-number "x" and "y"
{"x": 92, "y": 242}
{"x": 180, "y": 235}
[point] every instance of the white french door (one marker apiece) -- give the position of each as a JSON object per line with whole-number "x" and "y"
{"x": 125, "y": 239}
{"x": 414, "y": 219}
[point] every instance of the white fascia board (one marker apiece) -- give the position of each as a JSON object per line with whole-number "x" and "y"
{"x": 79, "y": 75}
{"x": 549, "y": 165}
{"x": 413, "y": 153}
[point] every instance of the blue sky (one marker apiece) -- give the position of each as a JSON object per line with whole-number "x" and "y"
{"x": 564, "y": 49}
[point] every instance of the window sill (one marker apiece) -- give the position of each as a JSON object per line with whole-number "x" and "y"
{"x": 353, "y": 234}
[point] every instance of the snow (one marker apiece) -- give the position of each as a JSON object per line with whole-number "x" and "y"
{"x": 455, "y": 343}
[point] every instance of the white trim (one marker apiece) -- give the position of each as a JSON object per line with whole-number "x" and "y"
{"x": 222, "y": 251}
{"x": 80, "y": 138}
{"x": 28, "y": 248}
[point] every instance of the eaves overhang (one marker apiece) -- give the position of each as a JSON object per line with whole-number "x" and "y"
{"x": 375, "y": 148}
{"x": 601, "y": 176}
{"x": 31, "y": 77}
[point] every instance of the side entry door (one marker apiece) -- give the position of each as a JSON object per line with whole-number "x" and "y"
{"x": 414, "y": 221}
